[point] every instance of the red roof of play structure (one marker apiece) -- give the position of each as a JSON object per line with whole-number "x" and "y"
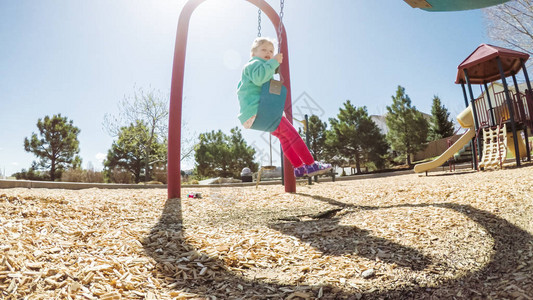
{"x": 482, "y": 66}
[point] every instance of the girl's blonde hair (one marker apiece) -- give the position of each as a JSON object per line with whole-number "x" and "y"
{"x": 260, "y": 41}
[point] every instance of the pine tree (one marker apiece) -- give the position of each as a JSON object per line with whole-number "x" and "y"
{"x": 317, "y": 136}
{"x": 356, "y": 137}
{"x": 218, "y": 154}
{"x": 408, "y": 129}
{"x": 56, "y": 146}
{"x": 440, "y": 126}
{"x": 242, "y": 155}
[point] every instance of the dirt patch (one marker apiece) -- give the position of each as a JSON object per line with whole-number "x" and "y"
{"x": 468, "y": 235}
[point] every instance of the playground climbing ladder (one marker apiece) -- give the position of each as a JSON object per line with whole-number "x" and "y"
{"x": 494, "y": 146}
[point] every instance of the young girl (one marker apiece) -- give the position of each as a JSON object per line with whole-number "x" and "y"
{"x": 259, "y": 70}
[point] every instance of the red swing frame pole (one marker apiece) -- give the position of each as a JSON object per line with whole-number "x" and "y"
{"x": 176, "y": 96}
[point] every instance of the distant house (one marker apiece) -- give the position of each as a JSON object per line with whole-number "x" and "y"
{"x": 382, "y": 124}
{"x": 380, "y": 121}
{"x": 497, "y": 87}
{"x": 491, "y": 112}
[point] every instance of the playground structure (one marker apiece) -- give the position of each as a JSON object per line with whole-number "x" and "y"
{"x": 510, "y": 108}
{"x": 499, "y": 118}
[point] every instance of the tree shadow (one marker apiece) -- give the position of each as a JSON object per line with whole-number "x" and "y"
{"x": 167, "y": 246}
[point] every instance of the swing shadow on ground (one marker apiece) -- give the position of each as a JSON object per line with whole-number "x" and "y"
{"x": 330, "y": 238}
{"x": 511, "y": 244}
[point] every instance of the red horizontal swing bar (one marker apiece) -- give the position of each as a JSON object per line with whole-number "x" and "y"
{"x": 176, "y": 95}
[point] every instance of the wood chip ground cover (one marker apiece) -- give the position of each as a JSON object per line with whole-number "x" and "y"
{"x": 447, "y": 236}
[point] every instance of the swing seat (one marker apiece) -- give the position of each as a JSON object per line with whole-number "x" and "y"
{"x": 271, "y": 105}
{"x": 452, "y": 5}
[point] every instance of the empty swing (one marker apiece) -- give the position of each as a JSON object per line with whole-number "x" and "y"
{"x": 273, "y": 92}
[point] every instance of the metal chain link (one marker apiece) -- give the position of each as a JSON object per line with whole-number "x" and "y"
{"x": 259, "y": 23}
{"x": 280, "y": 30}
{"x": 280, "y": 26}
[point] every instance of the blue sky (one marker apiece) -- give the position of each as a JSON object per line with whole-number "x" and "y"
{"x": 80, "y": 58}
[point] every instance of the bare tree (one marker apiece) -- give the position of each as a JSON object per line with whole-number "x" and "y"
{"x": 189, "y": 139}
{"x": 512, "y": 24}
{"x": 150, "y": 107}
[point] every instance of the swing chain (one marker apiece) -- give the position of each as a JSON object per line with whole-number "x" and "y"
{"x": 280, "y": 30}
{"x": 259, "y": 23}
{"x": 280, "y": 26}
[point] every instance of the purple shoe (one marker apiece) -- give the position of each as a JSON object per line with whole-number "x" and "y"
{"x": 318, "y": 168}
{"x": 300, "y": 172}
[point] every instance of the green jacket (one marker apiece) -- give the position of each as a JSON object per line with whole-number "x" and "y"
{"x": 255, "y": 73}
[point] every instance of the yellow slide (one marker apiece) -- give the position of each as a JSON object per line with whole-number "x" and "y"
{"x": 466, "y": 120}
{"x": 521, "y": 145}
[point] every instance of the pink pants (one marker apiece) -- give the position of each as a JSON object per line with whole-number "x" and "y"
{"x": 292, "y": 144}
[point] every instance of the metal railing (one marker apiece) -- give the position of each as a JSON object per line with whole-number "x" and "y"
{"x": 500, "y": 110}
